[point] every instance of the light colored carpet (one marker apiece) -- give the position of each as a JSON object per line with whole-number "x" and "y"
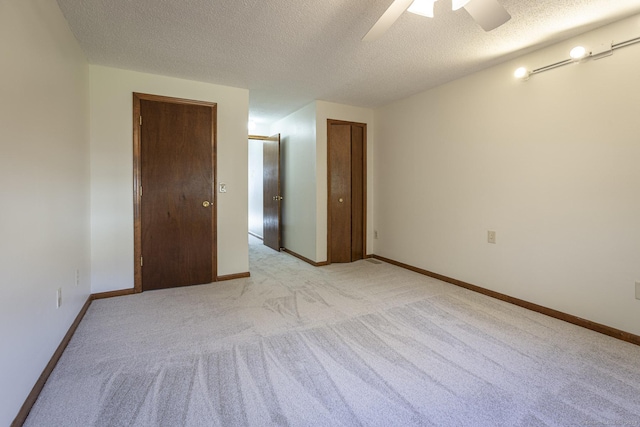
{"x": 345, "y": 345}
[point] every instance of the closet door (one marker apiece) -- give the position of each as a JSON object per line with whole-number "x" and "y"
{"x": 346, "y": 173}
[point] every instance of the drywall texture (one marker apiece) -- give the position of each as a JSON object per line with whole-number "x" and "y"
{"x": 256, "y": 206}
{"x": 112, "y": 170}
{"x": 298, "y": 180}
{"x": 304, "y": 175}
{"x": 329, "y": 110}
{"x": 550, "y": 164}
{"x": 44, "y": 176}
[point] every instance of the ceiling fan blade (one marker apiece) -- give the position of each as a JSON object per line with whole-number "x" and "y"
{"x": 489, "y": 14}
{"x": 387, "y": 19}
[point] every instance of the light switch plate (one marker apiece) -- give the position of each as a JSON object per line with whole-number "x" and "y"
{"x": 223, "y": 187}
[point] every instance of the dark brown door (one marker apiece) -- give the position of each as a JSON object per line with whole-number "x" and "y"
{"x": 177, "y": 212}
{"x": 347, "y": 183}
{"x": 357, "y": 193}
{"x": 272, "y": 199}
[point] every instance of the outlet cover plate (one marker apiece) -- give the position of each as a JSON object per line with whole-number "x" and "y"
{"x": 638, "y": 290}
{"x": 491, "y": 236}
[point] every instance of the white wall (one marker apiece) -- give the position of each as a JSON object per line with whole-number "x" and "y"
{"x": 550, "y": 164}
{"x": 298, "y": 175}
{"x": 44, "y": 188}
{"x": 304, "y": 175}
{"x": 112, "y": 170}
{"x": 328, "y": 110}
{"x": 260, "y": 129}
{"x": 256, "y": 205}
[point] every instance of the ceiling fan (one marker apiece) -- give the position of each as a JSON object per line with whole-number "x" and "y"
{"x": 489, "y": 14}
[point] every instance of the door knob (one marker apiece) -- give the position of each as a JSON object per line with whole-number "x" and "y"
{"x": 340, "y": 200}
{"x": 206, "y": 204}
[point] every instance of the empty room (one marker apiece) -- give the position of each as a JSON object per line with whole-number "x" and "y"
{"x": 340, "y": 213}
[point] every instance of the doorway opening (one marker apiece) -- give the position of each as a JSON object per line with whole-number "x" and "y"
{"x": 265, "y": 197}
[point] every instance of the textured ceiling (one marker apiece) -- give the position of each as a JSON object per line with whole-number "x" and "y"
{"x": 290, "y": 52}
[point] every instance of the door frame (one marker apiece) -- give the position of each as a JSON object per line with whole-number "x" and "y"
{"x": 364, "y": 183}
{"x": 259, "y": 138}
{"x": 276, "y": 137}
{"x": 137, "y": 182}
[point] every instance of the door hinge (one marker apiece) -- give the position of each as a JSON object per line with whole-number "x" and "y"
{"x": 140, "y": 120}
{"x": 141, "y": 262}
{"x": 141, "y": 191}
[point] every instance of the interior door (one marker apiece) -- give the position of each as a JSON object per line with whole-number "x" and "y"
{"x": 340, "y": 190}
{"x": 272, "y": 198}
{"x": 347, "y": 183}
{"x": 176, "y": 194}
{"x": 357, "y": 193}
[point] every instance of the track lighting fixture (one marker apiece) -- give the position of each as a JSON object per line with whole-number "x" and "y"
{"x": 577, "y": 54}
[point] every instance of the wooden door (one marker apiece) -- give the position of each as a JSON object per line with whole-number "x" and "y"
{"x": 346, "y": 144}
{"x": 357, "y": 193}
{"x": 272, "y": 198}
{"x": 175, "y": 193}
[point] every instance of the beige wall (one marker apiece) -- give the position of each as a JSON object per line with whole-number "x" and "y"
{"x": 44, "y": 188}
{"x": 550, "y": 164}
{"x": 112, "y": 166}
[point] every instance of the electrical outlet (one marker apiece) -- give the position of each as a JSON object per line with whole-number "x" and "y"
{"x": 77, "y": 276}
{"x": 58, "y": 297}
{"x": 637, "y": 290}
{"x": 491, "y": 236}
{"x": 375, "y": 234}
